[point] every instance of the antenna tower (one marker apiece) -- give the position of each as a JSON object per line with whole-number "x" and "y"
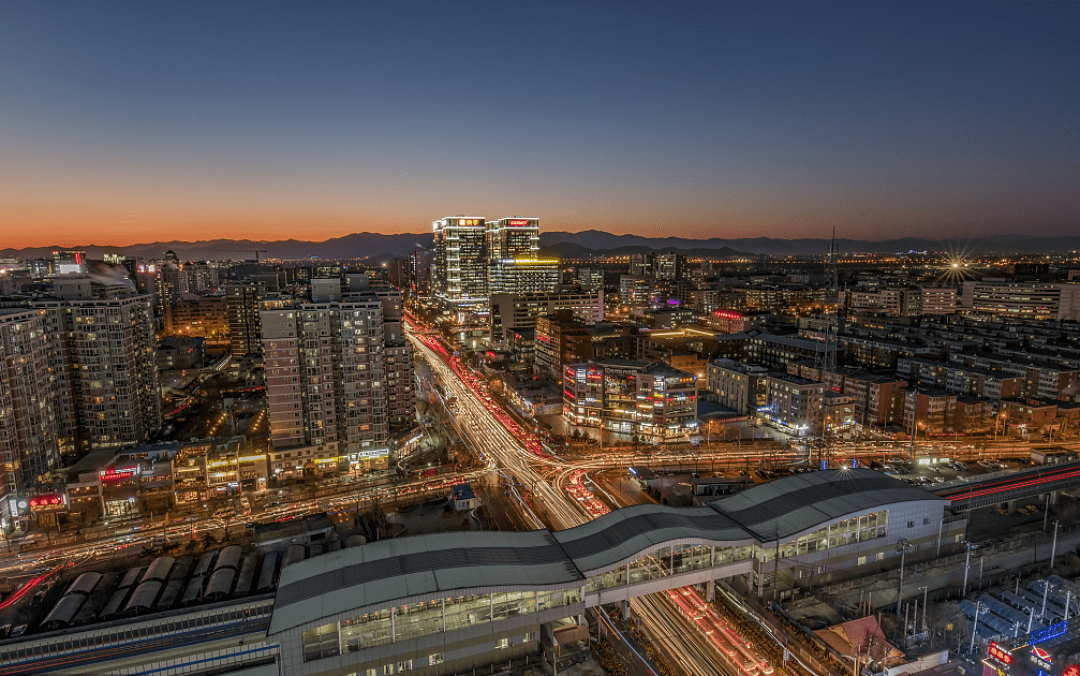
{"x": 826, "y": 359}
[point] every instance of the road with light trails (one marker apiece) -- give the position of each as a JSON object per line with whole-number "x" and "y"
{"x": 669, "y": 623}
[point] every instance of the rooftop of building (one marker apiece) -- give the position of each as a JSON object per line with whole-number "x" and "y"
{"x": 791, "y": 341}
{"x": 94, "y": 461}
{"x": 739, "y": 366}
{"x": 791, "y": 378}
{"x": 782, "y": 508}
{"x": 462, "y": 492}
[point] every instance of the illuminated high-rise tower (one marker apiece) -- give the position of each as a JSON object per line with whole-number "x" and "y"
{"x": 461, "y": 262}
{"x": 517, "y": 238}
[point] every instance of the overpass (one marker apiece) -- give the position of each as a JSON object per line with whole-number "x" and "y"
{"x": 1009, "y": 486}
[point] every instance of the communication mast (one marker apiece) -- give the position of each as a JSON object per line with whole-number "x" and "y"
{"x": 825, "y": 361}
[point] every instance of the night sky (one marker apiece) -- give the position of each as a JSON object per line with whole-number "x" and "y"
{"x": 141, "y": 121}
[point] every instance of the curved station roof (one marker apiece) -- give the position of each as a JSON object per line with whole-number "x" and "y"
{"x": 438, "y": 564}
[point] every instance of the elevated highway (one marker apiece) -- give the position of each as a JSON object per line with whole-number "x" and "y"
{"x": 1008, "y": 487}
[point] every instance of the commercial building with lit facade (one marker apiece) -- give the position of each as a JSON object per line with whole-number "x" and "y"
{"x": 512, "y": 312}
{"x": 461, "y": 262}
{"x": 648, "y": 399}
{"x": 513, "y": 238}
{"x": 523, "y": 276}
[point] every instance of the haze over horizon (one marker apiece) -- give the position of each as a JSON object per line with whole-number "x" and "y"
{"x": 281, "y": 121}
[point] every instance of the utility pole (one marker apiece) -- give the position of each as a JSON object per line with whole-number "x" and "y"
{"x": 825, "y": 361}
{"x": 900, "y": 590}
{"x": 925, "y": 592}
{"x": 967, "y": 567}
{"x": 914, "y": 417}
{"x": 974, "y": 628}
{"x": 1053, "y": 547}
{"x": 1046, "y": 590}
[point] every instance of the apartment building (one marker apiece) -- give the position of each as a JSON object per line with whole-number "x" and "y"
{"x": 326, "y": 381}
{"x": 202, "y": 317}
{"x": 744, "y": 388}
{"x": 100, "y": 346}
{"x": 794, "y": 403}
{"x": 560, "y": 340}
{"x": 959, "y": 379}
{"x": 242, "y": 313}
{"x": 1026, "y": 300}
{"x": 29, "y": 443}
{"x": 398, "y": 358}
{"x": 902, "y": 301}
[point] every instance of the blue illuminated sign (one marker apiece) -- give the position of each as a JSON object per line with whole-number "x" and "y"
{"x": 1053, "y": 631}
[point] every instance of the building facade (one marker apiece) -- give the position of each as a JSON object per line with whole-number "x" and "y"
{"x": 647, "y": 399}
{"x": 518, "y": 311}
{"x": 1024, "y": 300}
{"x": 326, "y": 380}
{"x": 461, "y": 262}
{"x": 242, "y": 312}
{"x": 744, "y": 388}
{"x": 29, "y": 441}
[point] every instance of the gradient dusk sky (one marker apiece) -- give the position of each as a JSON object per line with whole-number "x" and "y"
{"x": 125, "y": 122}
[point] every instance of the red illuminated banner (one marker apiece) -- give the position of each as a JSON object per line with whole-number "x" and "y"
{"x": 1000, "y": 654}
{"x": 517, "y": 223}
{"x": 46, "y": 503}
{"x": 727, "y": 315}
{"x": 118, "y": 474}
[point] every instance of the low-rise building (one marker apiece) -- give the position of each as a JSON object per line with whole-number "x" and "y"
{"x": 794, "y": 403}
{"x": 744, "y": 388}
{"x": 175, "y": 353}
{"x": 647, "y": 399}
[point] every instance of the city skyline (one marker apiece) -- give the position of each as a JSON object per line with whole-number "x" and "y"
{"x": 134, "y": 123}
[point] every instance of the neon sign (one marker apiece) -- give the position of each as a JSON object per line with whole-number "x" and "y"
{"x": 1040, "y": 656}
{"x": 517, "y": 224}
{"x": 1053, "y": 631}
{"x": 118, "y": 474}
{"x": 46, "y": 502}
{"x": 1000, "y": 654}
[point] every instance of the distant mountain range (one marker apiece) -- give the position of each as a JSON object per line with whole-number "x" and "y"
{"x": 564, "y": 244}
